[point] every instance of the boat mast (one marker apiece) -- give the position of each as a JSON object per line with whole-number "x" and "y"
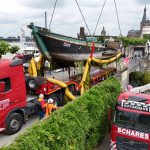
{"x": 45, "y": 20}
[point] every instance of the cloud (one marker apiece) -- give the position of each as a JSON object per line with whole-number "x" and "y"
{"x": 40, "y": 3}
{"x": 7, "y": 20}
{"x": 144, "y": 2}
{"x": 67, "y": 18}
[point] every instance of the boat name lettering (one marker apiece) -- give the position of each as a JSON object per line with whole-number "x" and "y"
{"x": 66, "y": 44}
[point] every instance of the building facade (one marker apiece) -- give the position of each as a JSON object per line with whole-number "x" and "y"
{"x": 144, "y": 28}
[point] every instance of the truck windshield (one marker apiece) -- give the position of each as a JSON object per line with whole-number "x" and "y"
{"x": 138, "y": 122}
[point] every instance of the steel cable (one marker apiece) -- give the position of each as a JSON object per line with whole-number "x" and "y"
{"x": 52, "y": 14}
{"x": 118, "y": 18}
{"x": 99, "y": 17}
{"x": 83, "y": 17}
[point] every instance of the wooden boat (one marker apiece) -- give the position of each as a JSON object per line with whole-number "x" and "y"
{"x": 63, "y": 48}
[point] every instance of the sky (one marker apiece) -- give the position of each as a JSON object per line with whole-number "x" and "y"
{"x": 67, "y": 20}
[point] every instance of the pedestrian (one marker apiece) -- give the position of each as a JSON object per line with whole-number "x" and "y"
{"x": 41, "y": 106}
{"x": 50, "y": 106}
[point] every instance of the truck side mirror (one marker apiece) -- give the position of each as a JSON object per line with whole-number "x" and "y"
{"x": 2, "y": 86}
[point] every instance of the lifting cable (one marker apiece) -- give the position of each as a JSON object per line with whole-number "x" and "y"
{"x": 83, "y": 17}
{"x": 99, "y": 17}
{"x": 118, "y": 18}
{"x": 52, "y": 14}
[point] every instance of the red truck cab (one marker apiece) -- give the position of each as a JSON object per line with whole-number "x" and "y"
{"x": 131, "y": 127}
{"x": 12, "y": 95}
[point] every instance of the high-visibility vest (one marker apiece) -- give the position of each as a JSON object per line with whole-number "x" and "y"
{"x": 49, "y": 108}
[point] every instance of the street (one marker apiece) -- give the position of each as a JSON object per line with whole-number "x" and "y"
{"x": 8, "y": 139}
{"x": 104, "y": 144}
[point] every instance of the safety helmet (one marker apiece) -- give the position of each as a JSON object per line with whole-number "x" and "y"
{"x": 41, "y": 96}
{"x": 50, "y": 100}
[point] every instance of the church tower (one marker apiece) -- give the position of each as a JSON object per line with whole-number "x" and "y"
{"x": 144, "y": 15}
{"x": 103, "y": 32}
{"x": 145, "y": 25}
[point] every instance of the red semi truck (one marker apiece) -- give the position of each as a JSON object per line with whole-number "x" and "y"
{"x": 15, "y": 105}
{"x": 131, "y": 127}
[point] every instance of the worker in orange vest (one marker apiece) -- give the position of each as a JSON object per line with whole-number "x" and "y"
{"x": 50, "y": 106}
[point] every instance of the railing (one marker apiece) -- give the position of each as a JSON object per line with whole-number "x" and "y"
{"x": 141, "y": 89}
{"x": 133, "y": 64}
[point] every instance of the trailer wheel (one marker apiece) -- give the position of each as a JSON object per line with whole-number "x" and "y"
{"x": 32, "y": 84}
{"x": 14, "y": 123}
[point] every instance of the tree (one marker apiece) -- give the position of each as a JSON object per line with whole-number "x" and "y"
{"x": 4, "y": 48}
{"x": 146, "y": 78}
{"x": 133, "y": 41}
{"x": 146, "y": 36}
{"x": 13, "y": 49}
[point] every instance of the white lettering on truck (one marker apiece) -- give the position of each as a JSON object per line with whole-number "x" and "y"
{"x": 133, "y": 133}
{"x": 4, "y": 104}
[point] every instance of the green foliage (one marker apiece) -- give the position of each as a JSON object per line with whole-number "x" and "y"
{"x": 5, "y": 48}
{"x": 101, "y": 39}
{"x": 133, "y": 41}
{"x": 138, "y": 78}
{"x": 13, "y": 49}
{"x": 146, "y": 77}
{"x": 79, "y": 125}
{"x": 146, "y": 36}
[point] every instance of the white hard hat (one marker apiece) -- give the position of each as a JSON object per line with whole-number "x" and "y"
{"x": 50, "y": 100}
{"x": 41, "y": 96}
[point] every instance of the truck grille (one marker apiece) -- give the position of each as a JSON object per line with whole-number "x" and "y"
{"x": 128, "y": 144}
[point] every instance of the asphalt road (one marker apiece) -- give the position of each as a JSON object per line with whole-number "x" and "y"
{"x": 8, "y": 139}
{"x": 105, "y": 143}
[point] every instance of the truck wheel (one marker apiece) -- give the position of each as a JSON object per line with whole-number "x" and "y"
{"x": 14, "y": 123}
{"x": 56, "y": 100}
{"x": 32, "y": 84}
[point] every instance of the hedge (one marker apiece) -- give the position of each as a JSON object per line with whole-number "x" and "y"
{"x": 79, "y": 125}
{"x": 146, "y": 77}
{"x": 138, "y": 78}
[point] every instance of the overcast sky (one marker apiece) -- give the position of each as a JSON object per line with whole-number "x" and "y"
{"x": 16, "y": 14}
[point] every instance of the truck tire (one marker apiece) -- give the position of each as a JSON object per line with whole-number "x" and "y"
{"x": 32, "y": 84}
{"x": 14, "y": 123}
